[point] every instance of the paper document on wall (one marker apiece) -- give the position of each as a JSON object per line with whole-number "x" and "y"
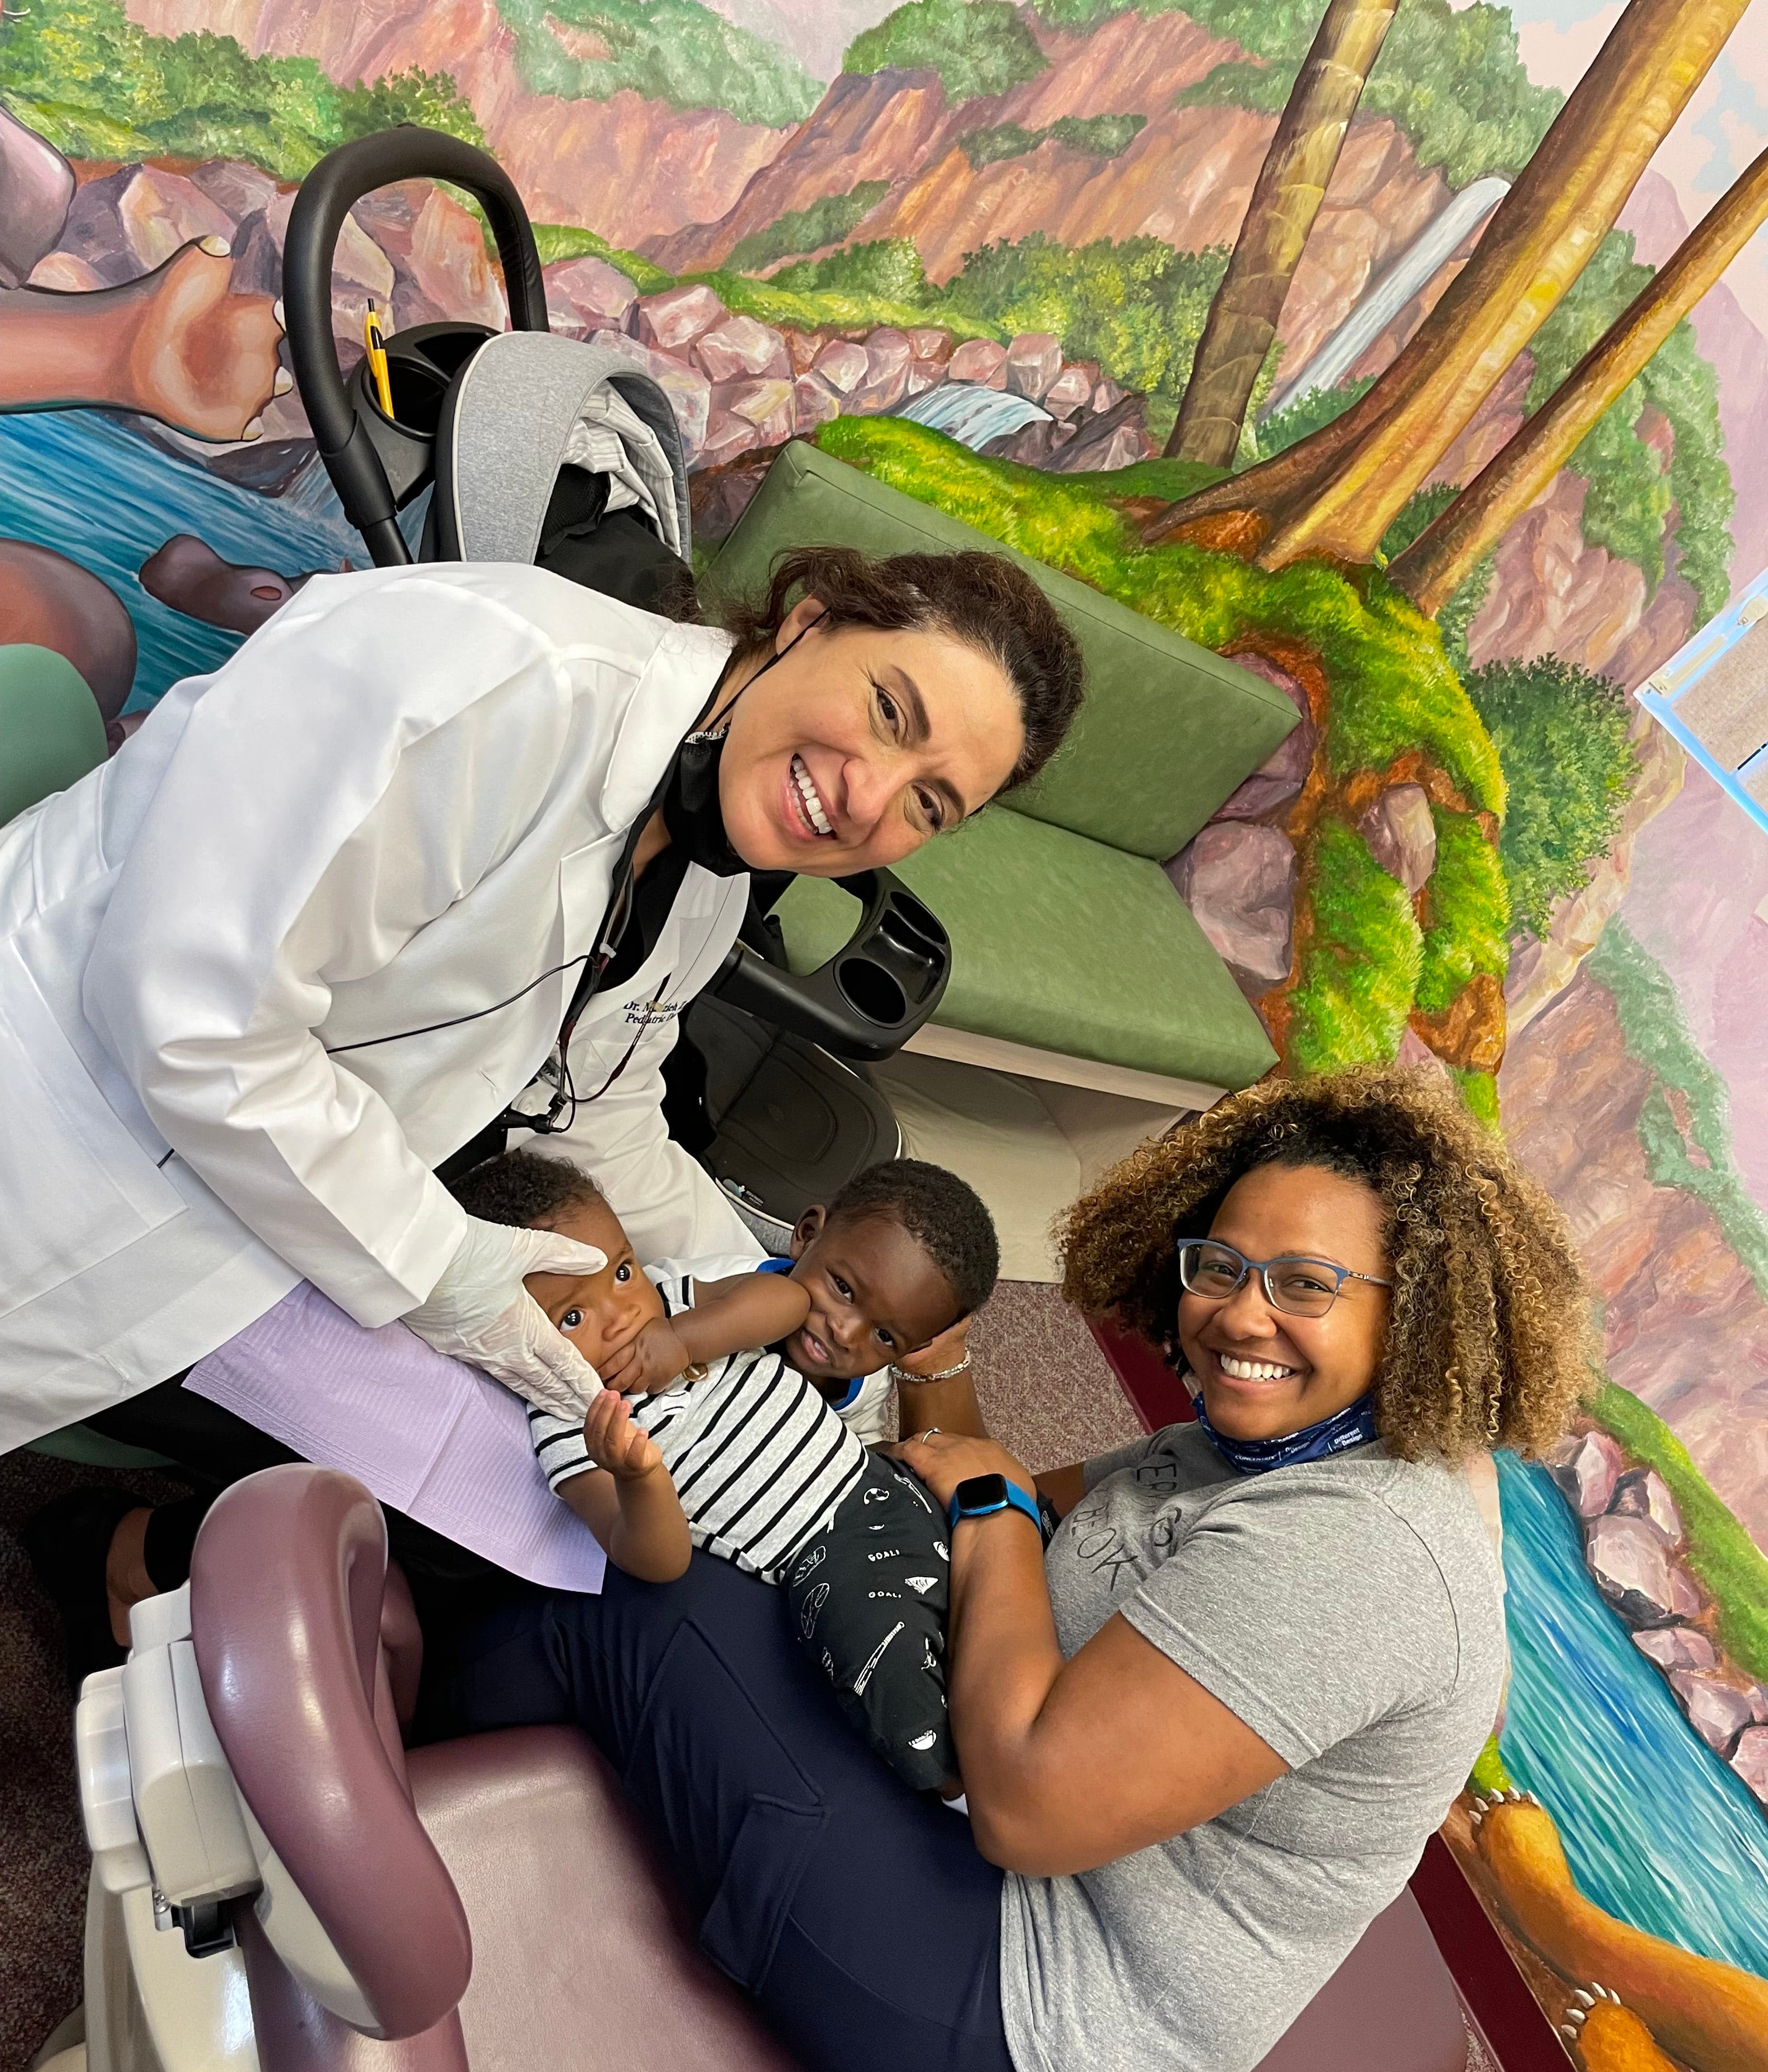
{"x": 432, "y": 1437}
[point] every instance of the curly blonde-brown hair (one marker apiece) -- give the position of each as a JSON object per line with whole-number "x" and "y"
{"x": 1491, "y": 1337}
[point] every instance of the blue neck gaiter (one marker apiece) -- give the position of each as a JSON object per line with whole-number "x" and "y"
{"x": 1353, "y": 1425}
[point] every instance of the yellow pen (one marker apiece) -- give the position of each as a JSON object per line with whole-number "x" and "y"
{"x": 377, "y": 360}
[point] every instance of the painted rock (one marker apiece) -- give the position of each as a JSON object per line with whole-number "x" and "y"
{"x": 1717, "y": 1713}
{"x": 162, "y": 213}
{"x": 601, "y": 295}
{"x": 1749, "y": 1759}
{"x": 979, "y": 359}
{"x": 842, "y": 365}
{"x": 813, "y": 403}
{"x": 741, "y": 348}
{"x": 1632, "y": 1569}
{"x": 888, "y": 359}
{"x": 1284, "y": 772}
{"x": 1586, "y": 1465}
{"x": 1676, "y": 1647}
{"x": 1071, "y": 390}
{"x": 1033, "y": 361}
{"x": 1402, "y": 835}
{"x": 673, "y": 319}
{"x": 1643, "y": 1494}
{"x": 36, "y": 186}
{"x": 1239, "y": 882}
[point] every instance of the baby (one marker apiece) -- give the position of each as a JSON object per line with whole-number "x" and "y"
{"x": 716, "y": 1428}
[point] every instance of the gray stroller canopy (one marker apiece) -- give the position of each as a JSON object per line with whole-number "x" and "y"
{"x": 528, "y": 403}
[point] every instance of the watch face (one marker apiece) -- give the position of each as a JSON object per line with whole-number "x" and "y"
{"x": 982, "y": 1493}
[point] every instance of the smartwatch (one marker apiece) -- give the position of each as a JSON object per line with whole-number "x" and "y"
{"x": 984, "y": 1494}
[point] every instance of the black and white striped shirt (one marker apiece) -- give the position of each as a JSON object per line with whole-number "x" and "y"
{"x": 759, "y": 1459}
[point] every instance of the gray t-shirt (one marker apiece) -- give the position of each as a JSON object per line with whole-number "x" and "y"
{"x": 1350, "y": 1612}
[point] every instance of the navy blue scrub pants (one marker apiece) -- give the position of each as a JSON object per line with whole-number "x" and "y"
{"x": 859, "y": 1916}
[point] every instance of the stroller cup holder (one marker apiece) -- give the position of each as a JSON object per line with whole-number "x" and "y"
{"x": 420, "y": 364}
{"x": 872, "y": 996}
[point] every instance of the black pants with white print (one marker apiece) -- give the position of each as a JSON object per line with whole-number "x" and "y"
{"x": 868, "y": 1597}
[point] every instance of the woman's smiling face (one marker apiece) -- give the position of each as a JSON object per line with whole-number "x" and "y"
{"x": 858, "y": 746}
{"x": 1263, "y": 1372}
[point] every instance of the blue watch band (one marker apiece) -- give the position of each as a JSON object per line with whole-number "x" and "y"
{"x": 1014, "y": 1498}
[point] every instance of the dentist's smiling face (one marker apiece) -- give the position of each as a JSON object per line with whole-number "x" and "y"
{"x": 858, "y": 746}
{"x": 1265, "y": 1373}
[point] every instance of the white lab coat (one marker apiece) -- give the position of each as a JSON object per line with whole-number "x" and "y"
{"x": 400, "y": 802}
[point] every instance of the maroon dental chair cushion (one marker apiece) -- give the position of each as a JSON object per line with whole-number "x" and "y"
{"x": 585, "y": 1935}
{"x": 581, "y": 1959}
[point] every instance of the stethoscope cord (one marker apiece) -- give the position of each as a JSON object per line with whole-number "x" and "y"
{"x": 433, "y": 1028}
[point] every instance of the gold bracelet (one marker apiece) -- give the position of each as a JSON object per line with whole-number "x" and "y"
{"x": 901, "y": 1374}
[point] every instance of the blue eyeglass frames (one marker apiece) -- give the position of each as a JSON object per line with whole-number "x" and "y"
{"x": 1300, "y": 1287}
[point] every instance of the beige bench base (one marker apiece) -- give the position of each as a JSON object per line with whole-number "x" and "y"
{"x": 995, "y": 1054}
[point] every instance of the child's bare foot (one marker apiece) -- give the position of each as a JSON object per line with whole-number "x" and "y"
{"x": 1711, "y": 2015}
{"x": 126, "y": 1580}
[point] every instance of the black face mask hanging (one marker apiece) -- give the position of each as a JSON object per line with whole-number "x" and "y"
{"x": 692, "y": 811}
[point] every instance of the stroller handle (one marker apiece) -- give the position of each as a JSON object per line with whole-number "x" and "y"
{"x": 327, "y": 195}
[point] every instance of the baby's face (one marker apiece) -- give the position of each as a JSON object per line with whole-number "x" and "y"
{"x": 597, "y": 1311}
{"x": 875, "y": 1296}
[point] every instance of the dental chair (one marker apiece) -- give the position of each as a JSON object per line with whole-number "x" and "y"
{"x": 278, "y": 1885}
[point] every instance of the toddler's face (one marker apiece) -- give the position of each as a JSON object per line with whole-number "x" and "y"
{"x": 875, "y": 1296}
{"x": 596, "y": 1311}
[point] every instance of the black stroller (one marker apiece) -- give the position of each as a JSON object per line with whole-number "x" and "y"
{"x": 536, "y": 448}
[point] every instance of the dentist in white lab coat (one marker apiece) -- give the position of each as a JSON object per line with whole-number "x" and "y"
{"x": 323, "y": 918}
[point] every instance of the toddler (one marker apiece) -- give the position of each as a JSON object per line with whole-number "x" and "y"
{"x": 716, "y": 1430}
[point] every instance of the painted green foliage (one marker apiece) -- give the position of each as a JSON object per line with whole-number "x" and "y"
{"x": 1098, "y": 136}
{"x": 887, "y": 267}
{"x": 1362, "y": 972}
{"x": 1136, "y": 306}
{"x": 978, "y": 48}
{"x": 97, "y": 86}
{"x": 674, "y": 50}
{"x": 1687, "y": 1142}
{"x": 556, "y": 242}
{"x": 1450, "y": 77}
{"x": 1561, "y": 735}
{"x": 1467, "y": 906}
{"x": 826, "y": 221}
{"x": 1631, "y": 492}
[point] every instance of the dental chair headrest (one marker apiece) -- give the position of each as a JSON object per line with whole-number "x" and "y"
{"x": 286, "y": 1583}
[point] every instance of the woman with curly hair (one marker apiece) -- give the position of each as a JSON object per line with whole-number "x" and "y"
{"x": 1204, "y": 1737}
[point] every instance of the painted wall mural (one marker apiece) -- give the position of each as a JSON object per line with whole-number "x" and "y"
{"x": 1415, "y": 354}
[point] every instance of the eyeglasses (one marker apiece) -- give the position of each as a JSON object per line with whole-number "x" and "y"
{"x": 1300, "y": 1287}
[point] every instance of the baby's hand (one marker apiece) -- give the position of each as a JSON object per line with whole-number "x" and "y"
{"x": 648, "y": 1363}
{"x": 613, "y": 1441}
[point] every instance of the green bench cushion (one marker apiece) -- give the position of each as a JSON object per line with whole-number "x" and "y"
{"x": 1168, "y": 730}
{"x": 1062, "y": 944}
{"x": 51, "y": 733}
{"x": 88, "y": 1449}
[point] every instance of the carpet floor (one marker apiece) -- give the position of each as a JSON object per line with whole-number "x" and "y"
{"x": 1048, "y": 1395}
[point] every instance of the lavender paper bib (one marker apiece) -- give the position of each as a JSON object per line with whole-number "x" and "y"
{"x": 433, "y": 1437}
